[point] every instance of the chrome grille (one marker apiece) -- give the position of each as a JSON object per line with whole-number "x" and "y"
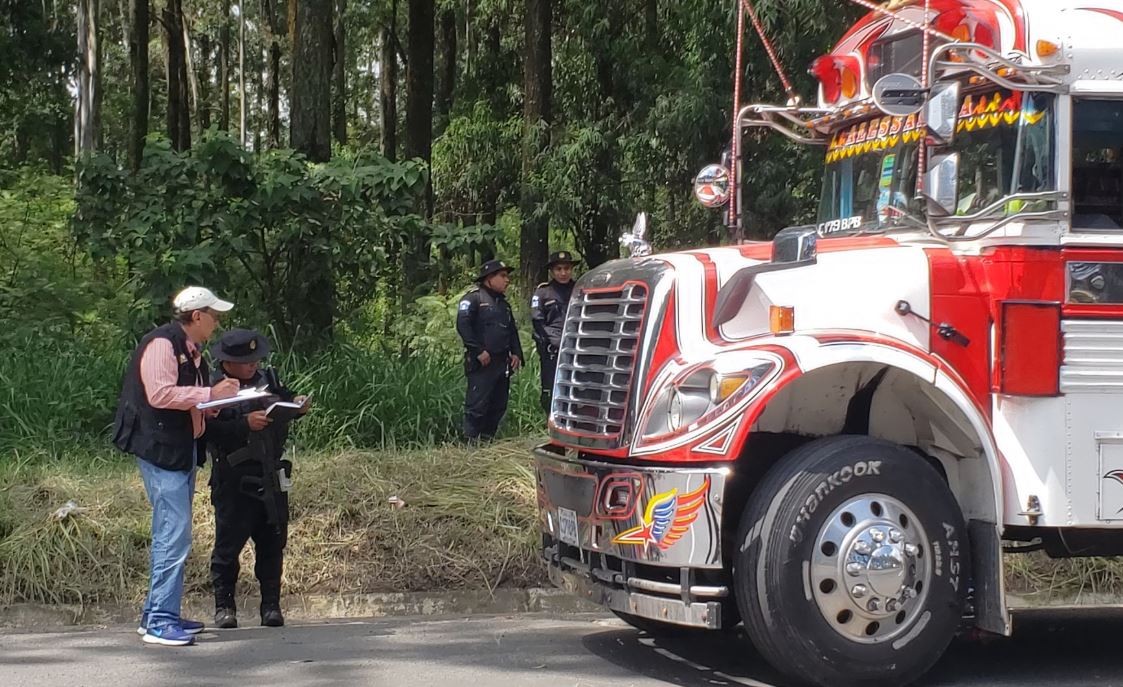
{"x": 597, "y": 360}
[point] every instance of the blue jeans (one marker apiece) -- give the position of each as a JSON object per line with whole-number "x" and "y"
{"x": 170, "y": 492}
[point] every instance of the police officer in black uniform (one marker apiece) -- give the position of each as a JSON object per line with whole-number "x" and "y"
{"x": 249, "y": 495}
{"x": 492, "y": 350}
{"x": 547, "y": 313}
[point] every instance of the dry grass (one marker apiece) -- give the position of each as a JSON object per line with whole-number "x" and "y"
{"x": 468, "y": 522}
{"x": 1037, "y": 576}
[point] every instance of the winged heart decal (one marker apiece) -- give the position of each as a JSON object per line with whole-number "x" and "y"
{"x": 668, "y": 517}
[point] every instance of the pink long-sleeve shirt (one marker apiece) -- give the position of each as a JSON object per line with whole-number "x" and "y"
{"x": 159, "y": 373}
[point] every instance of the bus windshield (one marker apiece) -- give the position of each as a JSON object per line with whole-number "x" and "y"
{"x": 1005, "y": 145}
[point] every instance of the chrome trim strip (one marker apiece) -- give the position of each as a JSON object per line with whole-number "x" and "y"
{"x": 675, "y": 611}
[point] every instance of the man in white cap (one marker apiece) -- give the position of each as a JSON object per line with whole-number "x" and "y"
{"x": 158, "y": 422}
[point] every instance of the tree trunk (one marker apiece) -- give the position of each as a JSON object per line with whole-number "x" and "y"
{"x": 313, "y": 287}
{"x": 87, "y": 120}
{"x": 537, "y": 101}
{"x": 224, "y": 67}
{"x": 419, "y": 81}
{"x": 57, "y": 133}
{"x": 339, "y": 77}
{"x": 21, "y": 143}
{"x": 274, "y": 93}
{"x": 446, "y": 71}
{"x": 310, "y": 29}
{"x": 189, "y": 69}
{"x": 178, "y": 119}
{"x": 203, "y": 79}
{"x": 138, "y": 60}
{"x": 242, "y": 73}
{"x": 419, "y": 129}
{"x": 651, "y": 25}
{"x": 389, "y": 90}
{"x": 259, "y": 98}
{"x": 273, "y": 29}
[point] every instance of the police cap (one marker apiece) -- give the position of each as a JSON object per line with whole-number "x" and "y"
{"x": 562, "y": 257}
{"x": 491, "y": 267}
{"x": 240, "y": 346}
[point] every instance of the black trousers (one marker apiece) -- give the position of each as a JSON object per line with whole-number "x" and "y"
{"x": 485, "y": 403}
{"x": 549, "y": 370}
{"x": 239, "y": 518}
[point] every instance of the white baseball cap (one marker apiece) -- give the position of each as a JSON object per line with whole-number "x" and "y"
{"x": 197, "y": 298}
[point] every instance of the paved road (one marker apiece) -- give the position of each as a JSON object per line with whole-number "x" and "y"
{"x": 1050, "y": 648}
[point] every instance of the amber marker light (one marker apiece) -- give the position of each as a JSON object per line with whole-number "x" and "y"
{"x": 781, "y": 319}
{"x": 1047, "y": 48}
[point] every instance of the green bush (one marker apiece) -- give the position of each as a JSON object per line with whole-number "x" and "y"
{"x": 58, "y": 396}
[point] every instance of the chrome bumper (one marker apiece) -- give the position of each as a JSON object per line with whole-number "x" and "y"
{"x": 657, "y": 516}
{"x": 634, "y": 539}
{"x": 704, "y": 614}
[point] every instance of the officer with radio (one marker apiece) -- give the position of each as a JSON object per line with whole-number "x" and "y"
{"x": 547, "y": 313}
{"x": 492, "y": 350}
{"x": 249, "y": 478}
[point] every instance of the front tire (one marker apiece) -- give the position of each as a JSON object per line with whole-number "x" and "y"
{"x": 852, "y": 564}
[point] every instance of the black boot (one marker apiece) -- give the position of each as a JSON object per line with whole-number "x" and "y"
{"x": 225, "y": 618}
{"x": 225, "y": 611}
{"x": 271, "y": 604}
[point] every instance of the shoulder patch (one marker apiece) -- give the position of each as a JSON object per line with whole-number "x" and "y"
{"x": 465, "y": 305}
{"x": 534, "y": 301}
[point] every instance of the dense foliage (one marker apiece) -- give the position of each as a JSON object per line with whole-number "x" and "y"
{"x": 146, "y": 144}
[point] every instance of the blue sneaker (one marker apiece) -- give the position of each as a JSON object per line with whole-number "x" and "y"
{"x": 168, "y": 635}
{"x": 192, "y": 627}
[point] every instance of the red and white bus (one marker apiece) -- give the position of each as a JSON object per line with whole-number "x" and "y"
{"x": 834, "y": 436}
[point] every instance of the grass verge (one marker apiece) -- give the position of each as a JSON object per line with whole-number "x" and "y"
{"x": 468, "y": 523}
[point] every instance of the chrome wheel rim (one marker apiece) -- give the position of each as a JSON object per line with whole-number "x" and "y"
{"x": 870, "y": 570}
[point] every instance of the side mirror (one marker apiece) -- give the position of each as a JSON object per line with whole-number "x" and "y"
{"x": 899, "y": 95}
{"x": 941, "y": 185}
{"x": 942, "y": 112}
{"x": 795, "y": 244}
{"x": 712, "y": 187}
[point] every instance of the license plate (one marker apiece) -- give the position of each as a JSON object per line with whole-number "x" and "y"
{"x": 567, "y": 526}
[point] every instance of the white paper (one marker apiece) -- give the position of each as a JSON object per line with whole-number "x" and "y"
{"x": 243, "y": 395}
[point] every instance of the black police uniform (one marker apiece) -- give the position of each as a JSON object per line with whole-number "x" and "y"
{"x": 245, "y": 506}
{"x": 485, "y": 322}
{"x": 547, "y": 314}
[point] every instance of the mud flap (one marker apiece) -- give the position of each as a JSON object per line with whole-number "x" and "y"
{"x": 990, "y": 593}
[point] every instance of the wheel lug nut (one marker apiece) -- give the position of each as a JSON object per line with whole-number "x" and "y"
{"x": 908, "y": 593}
{"x": 863, "y": 547}
{"x": 859, "y": 591}
{"x": 911, "y": 549}
{"x": 877, "y": 535}
{"x": 854, "y": 569}
{"x": 873, "y": 605}
{"x": 891, "y": 605}
{"x": 895, "y": 536}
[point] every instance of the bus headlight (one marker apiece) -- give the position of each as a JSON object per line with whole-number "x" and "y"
{"x": 701, "y": 394}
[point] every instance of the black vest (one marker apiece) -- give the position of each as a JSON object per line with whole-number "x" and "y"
{"x": 162, "y": 436}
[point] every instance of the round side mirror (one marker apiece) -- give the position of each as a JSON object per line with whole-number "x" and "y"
{"x": 712, "y": 187}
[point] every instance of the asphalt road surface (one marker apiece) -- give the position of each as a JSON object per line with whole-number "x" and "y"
{"x": 1049, "y": 648}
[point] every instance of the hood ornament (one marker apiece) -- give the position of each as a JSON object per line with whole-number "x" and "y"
{"x": 634, "y": 240}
